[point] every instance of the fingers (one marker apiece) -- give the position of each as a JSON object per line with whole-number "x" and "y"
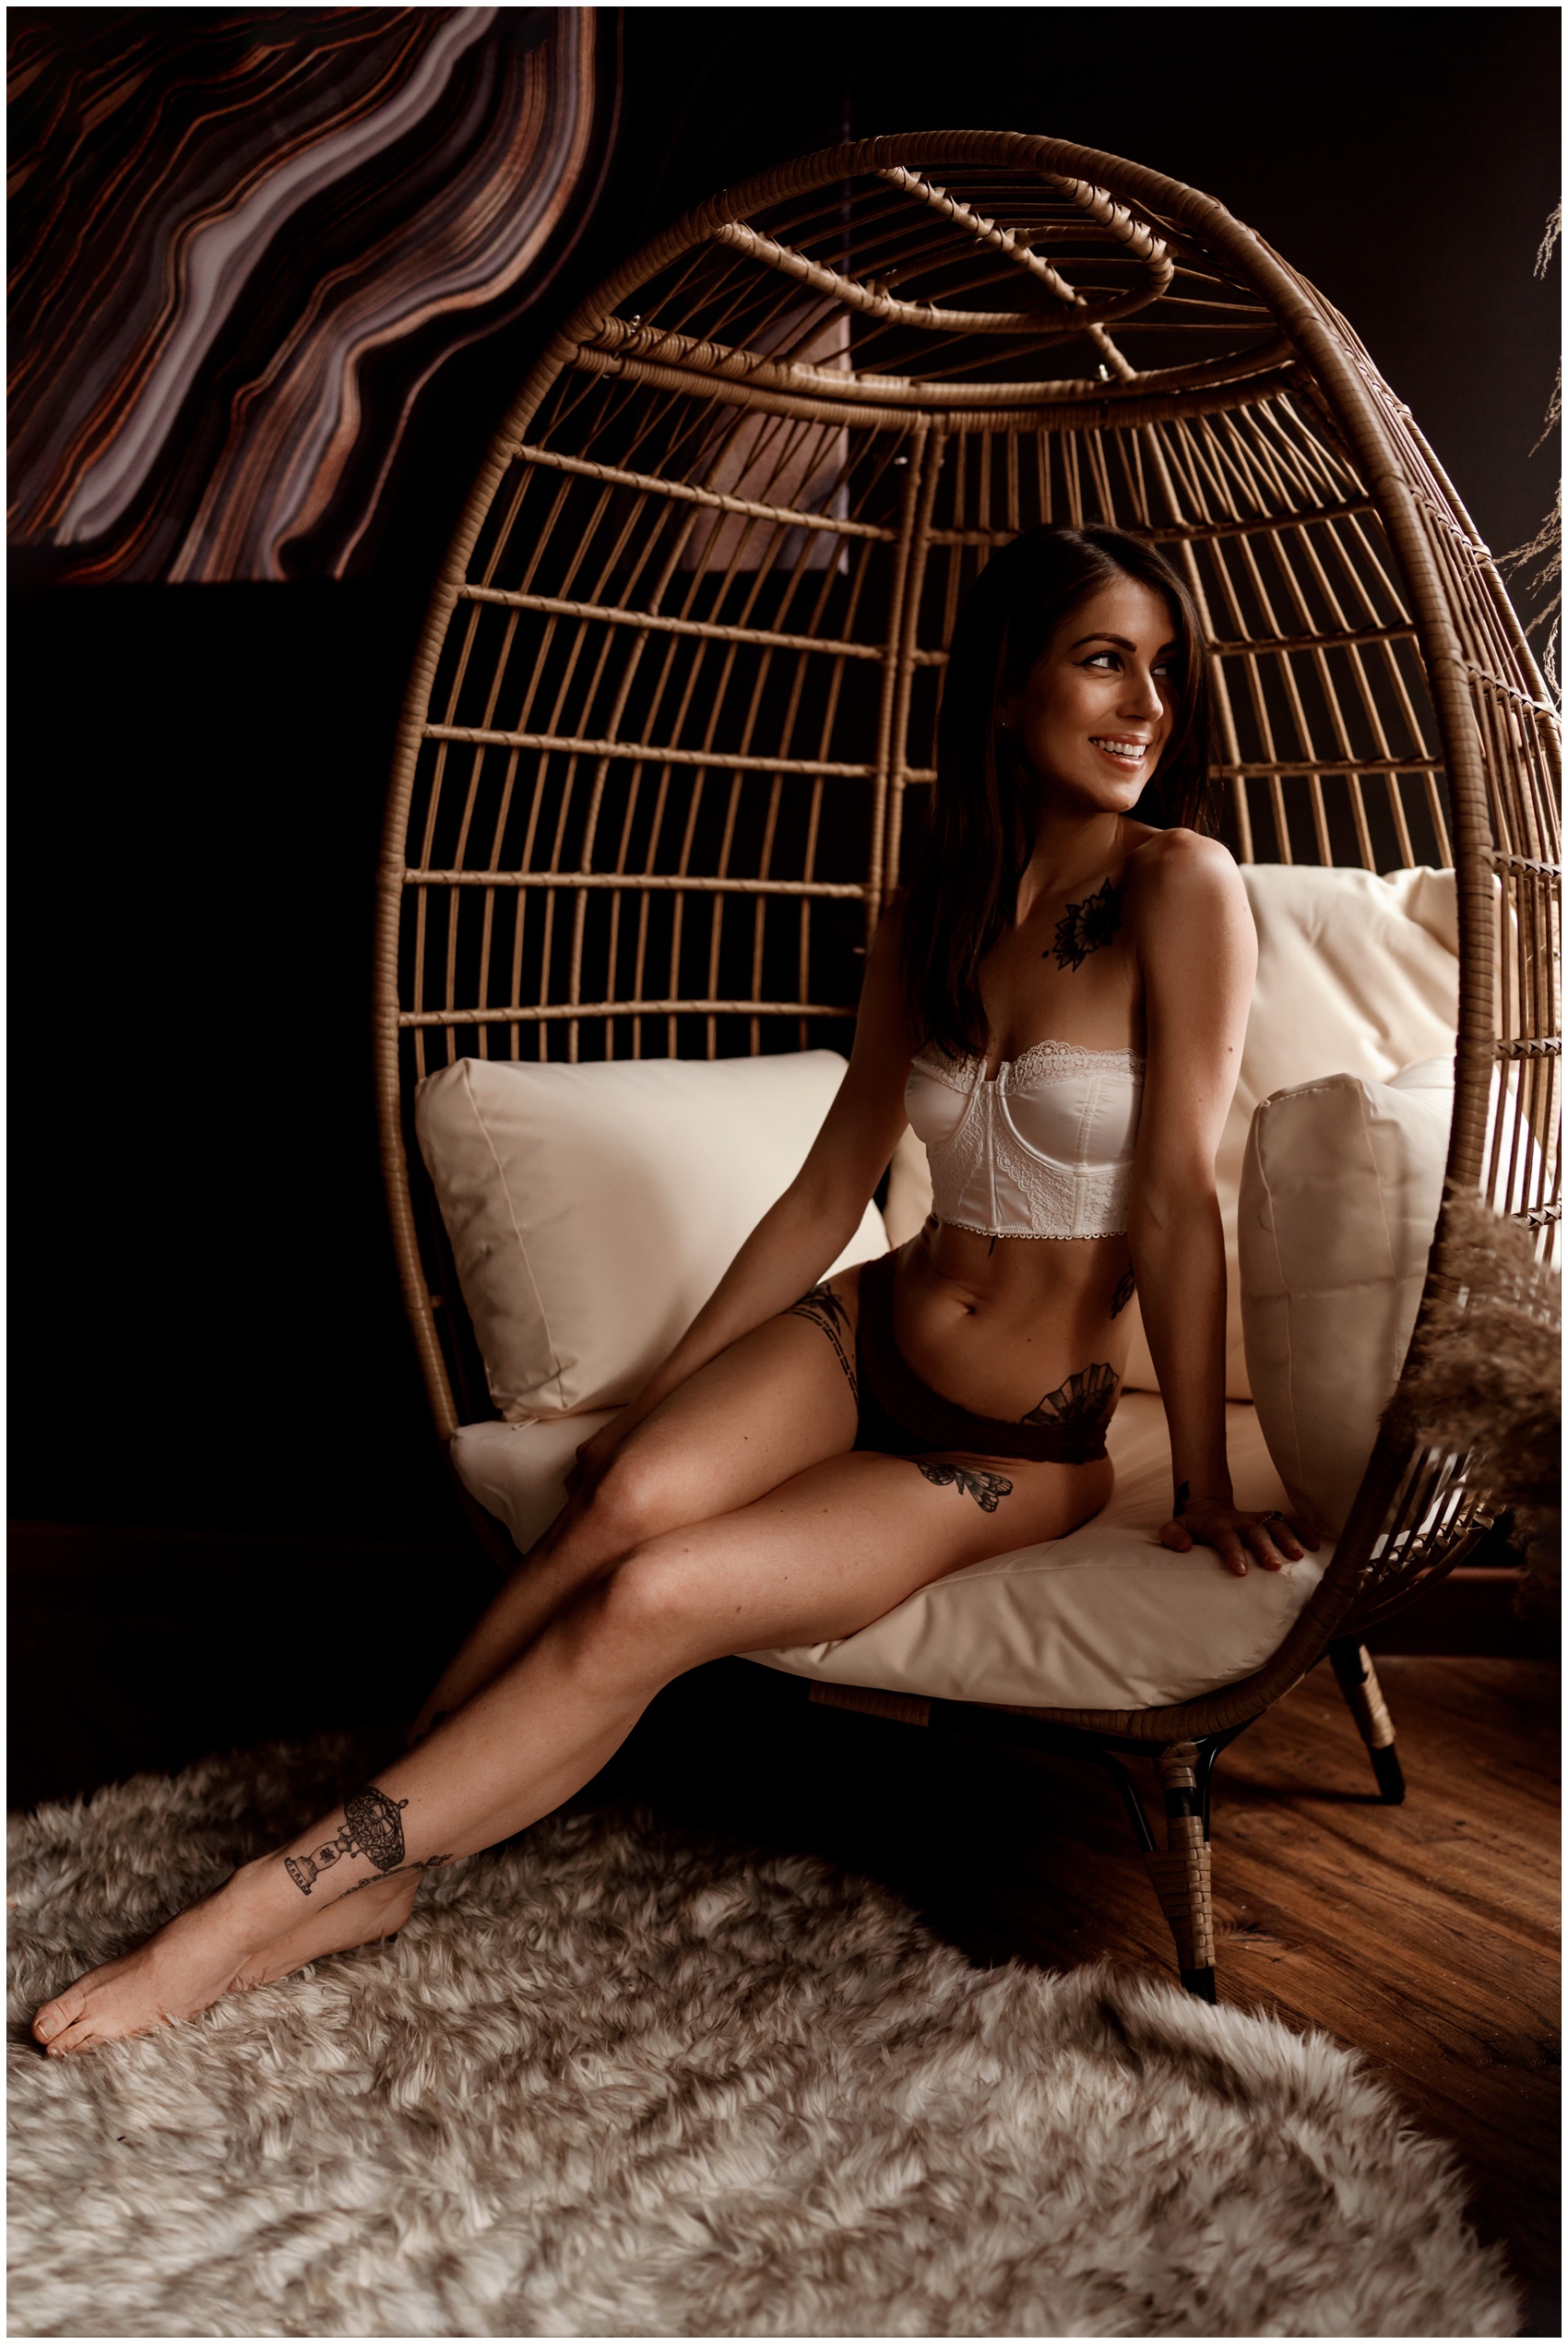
{"x": 1270, "y": 1540}
{"x": 1261, "y": 1548}
{"x": 1260, "y": 1545}
{"x": 1275, "y": 1540}
{"x": 1228, "y": 1545}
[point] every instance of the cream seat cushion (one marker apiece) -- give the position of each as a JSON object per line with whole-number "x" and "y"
{"x": 1106, "y": 1619}
{"x": 593, "y": 1209}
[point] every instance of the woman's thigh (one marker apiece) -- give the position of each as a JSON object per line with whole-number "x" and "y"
{"x": 780, "y": 1399}
{"x": 837, "y": 1545}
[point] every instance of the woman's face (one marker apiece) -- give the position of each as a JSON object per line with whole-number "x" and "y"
{"x": 1096, "y": 713}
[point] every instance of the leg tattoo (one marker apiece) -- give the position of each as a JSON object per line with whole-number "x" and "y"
{"x": 1085, "y": 1398}
{"x": 373, "y": 1880}
{"x": 1123, "y": 1295}
{"x": 823, "y": 1308}
{"x": 986, "y": 1488}
{"x": 372, "y": 1828}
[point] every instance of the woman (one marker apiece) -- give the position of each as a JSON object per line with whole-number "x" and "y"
{"x": 1058, "y": 1007}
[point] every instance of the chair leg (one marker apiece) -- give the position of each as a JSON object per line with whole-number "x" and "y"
{"x": 1358, "y": 1682}
{"x": 1180, "y": 1870}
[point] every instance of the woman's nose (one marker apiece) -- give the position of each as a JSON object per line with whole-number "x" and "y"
{"x": 1144, "y": 696}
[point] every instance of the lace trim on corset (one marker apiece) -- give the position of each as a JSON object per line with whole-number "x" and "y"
{"x": 1064, "y": 1057}
{"x": 1069, "y": 1057}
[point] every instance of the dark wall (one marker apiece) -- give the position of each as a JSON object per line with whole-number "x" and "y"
{"x": 205, "y": 1324}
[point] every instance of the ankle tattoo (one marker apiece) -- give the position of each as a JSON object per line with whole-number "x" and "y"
{"x": 372, "y": 1826}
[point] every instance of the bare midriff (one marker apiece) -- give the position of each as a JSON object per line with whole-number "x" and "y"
{"x": 997, "y": 1323}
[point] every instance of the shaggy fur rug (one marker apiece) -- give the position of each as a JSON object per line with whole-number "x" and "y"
{"x": 610, "y": 2082}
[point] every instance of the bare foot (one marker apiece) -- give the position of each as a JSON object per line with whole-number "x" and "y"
{"x": 222, "y": 1942}
{"x": 379, "y": 1911}
{"x": 182, "y": 1968}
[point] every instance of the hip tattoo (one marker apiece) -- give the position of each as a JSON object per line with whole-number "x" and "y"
{"x": 823, "y": 1308}
{"x": 1087, "y": 1398}
{"x": 988, "y": 1489}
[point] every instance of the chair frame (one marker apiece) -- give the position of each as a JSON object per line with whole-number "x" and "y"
{"x": 700, "y": 457}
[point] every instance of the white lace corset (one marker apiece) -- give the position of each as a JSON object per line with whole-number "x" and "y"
{"x": 1043, "y": 1149}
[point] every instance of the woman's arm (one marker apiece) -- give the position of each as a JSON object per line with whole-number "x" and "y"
{"x": 1198, "y": 954}
{"x": 804, "y": 1232}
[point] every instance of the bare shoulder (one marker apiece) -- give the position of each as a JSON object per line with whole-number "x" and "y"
{"x": 1182, "y": 861}
{"x": 1181, "y": 873}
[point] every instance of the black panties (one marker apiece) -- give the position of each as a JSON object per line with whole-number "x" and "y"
{"x": 901, "y": 1416}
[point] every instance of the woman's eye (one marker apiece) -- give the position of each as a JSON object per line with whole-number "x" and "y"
{"x": 1102, "y": 658}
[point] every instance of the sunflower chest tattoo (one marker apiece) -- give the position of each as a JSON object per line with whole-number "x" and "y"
{"x": 1086, "y": 927}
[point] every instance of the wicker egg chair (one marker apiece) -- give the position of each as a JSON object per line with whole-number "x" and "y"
{"x": 678, "y": 682}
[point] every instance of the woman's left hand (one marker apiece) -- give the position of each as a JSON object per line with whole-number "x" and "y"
{"x": 1269, "y": 1540}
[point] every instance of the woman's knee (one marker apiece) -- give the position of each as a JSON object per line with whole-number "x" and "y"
{"x": 645, "y": 1614}
{"x": 632, "y": 1498}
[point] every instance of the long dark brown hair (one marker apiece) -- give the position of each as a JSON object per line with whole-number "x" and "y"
{"x": 964, "y": 887}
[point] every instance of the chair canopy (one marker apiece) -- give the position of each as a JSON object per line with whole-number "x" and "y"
{"x": 669, "y": 734}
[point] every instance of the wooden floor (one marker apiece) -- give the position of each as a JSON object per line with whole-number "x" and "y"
{"x": 1424, "y": 1937}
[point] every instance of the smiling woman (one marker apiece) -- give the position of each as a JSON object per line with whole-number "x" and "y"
{"x": 1072, "y": 1088}
{"x": 1070, "y": 699}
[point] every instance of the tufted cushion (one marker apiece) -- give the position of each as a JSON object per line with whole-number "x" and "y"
{"x": 593, "y": 1209}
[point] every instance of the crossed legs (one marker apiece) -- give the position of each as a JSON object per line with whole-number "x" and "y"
{"x": 734, "y": 1519}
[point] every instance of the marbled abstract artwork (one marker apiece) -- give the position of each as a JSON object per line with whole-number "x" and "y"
{"x": 243, "y": 243}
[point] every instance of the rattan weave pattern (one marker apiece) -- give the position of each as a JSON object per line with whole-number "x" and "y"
{"x": 670, "y": 722}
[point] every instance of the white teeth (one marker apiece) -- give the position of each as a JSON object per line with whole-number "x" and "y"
{"x": 1131, "y": 750}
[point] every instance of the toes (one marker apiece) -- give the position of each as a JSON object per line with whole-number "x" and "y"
{"x": 59, "y": 2014}
{"x": 76, "y": 2037}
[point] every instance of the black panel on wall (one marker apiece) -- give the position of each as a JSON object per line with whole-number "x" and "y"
{"x": 205, "y": 1324}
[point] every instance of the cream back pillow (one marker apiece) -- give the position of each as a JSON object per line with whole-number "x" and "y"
{"x": 1356, "y": 975}
{"x": 593, "y": 1209}
{"x": 1340, "y": 1191}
